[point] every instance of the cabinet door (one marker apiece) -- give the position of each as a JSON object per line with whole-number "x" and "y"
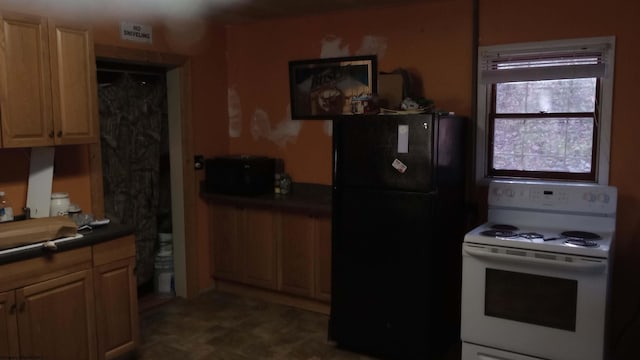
{"x": 25, "y": 81}
{"x": 8, "y": 326}
{"x": 226, "y": 242}
{"x": 259, "y": 248}
{"x": 73, "y": 75}
{"x": 322, "y": 290}
{"x": 297, "y": 260}
{"x": 56, "y": 318}
{"x": 116, "y": 308}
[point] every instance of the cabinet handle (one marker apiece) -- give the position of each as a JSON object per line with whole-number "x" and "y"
{"x": 23, "y": 306}
{"x": 59, "y": 133}
{"x": 51, "y": 134}
{"x": 12, "y": 309}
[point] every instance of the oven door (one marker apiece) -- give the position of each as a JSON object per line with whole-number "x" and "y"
{"x": 535, "y": 303}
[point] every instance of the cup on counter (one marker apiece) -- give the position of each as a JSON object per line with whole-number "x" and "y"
{"x": 59, "y": 204}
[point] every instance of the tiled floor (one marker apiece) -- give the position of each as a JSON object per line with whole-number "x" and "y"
{"x": 223, "y": 326}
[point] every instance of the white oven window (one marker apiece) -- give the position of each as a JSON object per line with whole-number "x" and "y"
{"x": 534, "y": 299}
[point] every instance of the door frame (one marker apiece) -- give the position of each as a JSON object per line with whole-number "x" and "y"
{"x": 186, "y": 267}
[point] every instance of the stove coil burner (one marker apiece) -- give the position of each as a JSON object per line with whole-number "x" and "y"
{"x": 499, "y": 233}
{"x": 504, "y": 227}
{"x": 531, "y": 235}
{"x": 581, "y": 238}
{"x": 581, "y": 243}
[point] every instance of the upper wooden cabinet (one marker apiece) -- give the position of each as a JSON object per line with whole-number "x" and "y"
{"x": 48, "y": 91}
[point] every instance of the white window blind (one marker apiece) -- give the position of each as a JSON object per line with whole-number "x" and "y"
{"x": 513, "y": 65}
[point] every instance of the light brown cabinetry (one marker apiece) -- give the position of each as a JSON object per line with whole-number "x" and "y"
{"x": 277, "y": 250}
{"x": 244, "y": 247}
{"x": 48, "y": 92}
{"x": 8, "y": 326}
{"x": 56, "y": 318}
{"x": 305, "y": 262}
{"x": 43, "y": 296}
{"x": 297, "y": 250}
{"x": 73, "y": 305}
{"x": 259, "y": 242}
{"x": 116, "y": 297}
{"x": 322, "y": 281}
{"x": 226, "y": 246}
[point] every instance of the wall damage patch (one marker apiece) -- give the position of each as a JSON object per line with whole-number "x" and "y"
{"x": 332, "y": 46}
{"x": 285, "y": 132}
{"x": 235, "y": 113}
{"x": 373, "y": 45}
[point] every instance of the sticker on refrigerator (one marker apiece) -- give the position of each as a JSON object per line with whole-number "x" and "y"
{"x": 403, "y": 139}
{"x": 398, "y": 165}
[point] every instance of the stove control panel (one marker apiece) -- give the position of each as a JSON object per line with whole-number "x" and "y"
{"x": 572, "y": 197}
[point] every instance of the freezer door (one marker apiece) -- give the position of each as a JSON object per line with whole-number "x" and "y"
{"x": 385, "y": 152}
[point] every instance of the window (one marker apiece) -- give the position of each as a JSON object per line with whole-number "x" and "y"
{"x": 544, "y": 110}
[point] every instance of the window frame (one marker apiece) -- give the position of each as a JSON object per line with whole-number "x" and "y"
{"x": 602, "y": 117}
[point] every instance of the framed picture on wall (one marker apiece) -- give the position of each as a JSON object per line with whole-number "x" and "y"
{"x": 323, "y": 88}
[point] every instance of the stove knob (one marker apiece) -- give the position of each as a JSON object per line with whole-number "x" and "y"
{"x": 590, "y": 197}
{"x": 603, "y": 198}
{"x": 497, "y": 191}
{"x": 509, "y": 192}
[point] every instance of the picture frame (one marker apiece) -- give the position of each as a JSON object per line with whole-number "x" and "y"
{"x": 324, "y": 88}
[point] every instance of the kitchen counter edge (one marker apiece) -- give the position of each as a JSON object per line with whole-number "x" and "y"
{"x": 91, "y": 237}
{"x": 304, "y": 198}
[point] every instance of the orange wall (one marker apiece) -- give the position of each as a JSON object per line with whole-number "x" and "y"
{"x": 437, "y": 48}
{"x": 505, "y": 21}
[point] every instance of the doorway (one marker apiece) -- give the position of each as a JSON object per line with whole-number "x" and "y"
{"x": 184, "y": 188}
{"x": 136, "y": 166}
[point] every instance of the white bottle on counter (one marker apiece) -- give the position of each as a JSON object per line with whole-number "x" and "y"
{"x": 6, "y": 211}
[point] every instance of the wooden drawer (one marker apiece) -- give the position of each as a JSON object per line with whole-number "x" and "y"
{"x": 117, "y": 249}
{"x": 22, "y": 273}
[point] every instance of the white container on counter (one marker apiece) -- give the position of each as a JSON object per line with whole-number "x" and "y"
{"x": 59, "y": 204}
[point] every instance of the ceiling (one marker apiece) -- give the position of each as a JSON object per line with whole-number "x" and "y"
{"x": 221, "y": 11}
{"x": 255, "y": 10}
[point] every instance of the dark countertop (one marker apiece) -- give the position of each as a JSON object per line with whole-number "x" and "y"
{"x": 90, "y": 237}
{"x": 304, "y": 198}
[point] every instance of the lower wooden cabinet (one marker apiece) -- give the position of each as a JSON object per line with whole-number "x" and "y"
{"x": 276, "y": 250}
{"x": 297, "y": 254}
{"x": 226, "y": 247}
{"x": 52, "y": 319}
{"x": 56, "y": 318}
{"x": 116, "y": 297}
{"x": 258, "y": 233}
{"x": 244, "y": 245}
{"x": 9, "y": 346}
{"x": 322, "y": 280}
{"x": 75, "y": 305}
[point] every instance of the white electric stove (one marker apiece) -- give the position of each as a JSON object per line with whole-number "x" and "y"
{"x": 535, "y": 276}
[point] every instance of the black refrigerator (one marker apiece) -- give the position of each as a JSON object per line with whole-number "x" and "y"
{"x": 397, "y": 228}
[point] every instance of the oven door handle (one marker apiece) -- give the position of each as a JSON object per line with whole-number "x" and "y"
{"x": 595, "y": 266}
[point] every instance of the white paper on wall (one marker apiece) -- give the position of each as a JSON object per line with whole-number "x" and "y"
{"x": 40, "y": 181}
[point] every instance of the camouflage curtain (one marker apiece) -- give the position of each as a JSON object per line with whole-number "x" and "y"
{"x": 133, "y": 133}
